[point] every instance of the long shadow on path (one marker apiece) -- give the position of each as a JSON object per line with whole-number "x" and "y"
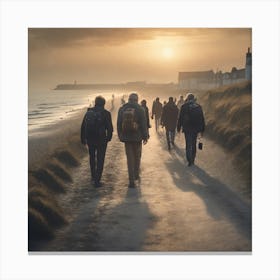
{"x": 123, "y": 228}
{"x": 219, "y": 199}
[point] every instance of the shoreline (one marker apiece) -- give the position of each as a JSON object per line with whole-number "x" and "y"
{"x": 44, "y": 141}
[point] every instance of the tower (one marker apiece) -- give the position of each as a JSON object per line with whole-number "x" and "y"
{"x": 248, "y": 66}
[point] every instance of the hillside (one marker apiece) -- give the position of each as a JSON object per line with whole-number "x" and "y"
{"x": 228, "y": 114}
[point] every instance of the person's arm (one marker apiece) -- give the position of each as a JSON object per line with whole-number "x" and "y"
{"x": 148, "y": 119}
{"x": 163, "y": 117}
{"x": 83, "y": 131}
{"x": 119, "y": 123}
{"x": 109, "y": 127}
{"x": 202, "y": 122}
{"x": 180, "y": 120}
{"x": 143, "y": 125}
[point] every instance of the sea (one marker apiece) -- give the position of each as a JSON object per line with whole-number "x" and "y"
{"x": 47, "y": 107}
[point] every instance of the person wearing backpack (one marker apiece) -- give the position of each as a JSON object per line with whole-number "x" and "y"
{"x": 96, "y": 132}
{"x": 133, "y": 131}
{"x": 169, "y": 119}
{"x": 191, "y": 119}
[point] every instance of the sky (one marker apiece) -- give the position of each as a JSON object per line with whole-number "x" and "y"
{"x": 120, "y": 55}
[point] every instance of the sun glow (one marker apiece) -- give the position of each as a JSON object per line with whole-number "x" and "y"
{"x": 168, "y": 53}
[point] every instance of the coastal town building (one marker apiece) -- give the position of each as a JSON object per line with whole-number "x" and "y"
{"x": 203, "y": 80}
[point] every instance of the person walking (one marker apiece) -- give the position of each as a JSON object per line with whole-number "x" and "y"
{"x": 180, "y": 102}
{"x": 113, "y": 102}
{"x": 133, "y": 131}
{"x": 169, "y": 119}
{"x": 123, "y": 100}
{"x": 191, "y": 119}
{"x": 156, "y": 112}
{"x": 96, "y": 132}
{"x": 146, "y": 110}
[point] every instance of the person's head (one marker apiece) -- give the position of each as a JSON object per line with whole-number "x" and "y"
{"x": 157, "y": 99}
{"x": 190, "y": 97}
{"x": 181, "y": 97}
{"x": 170, "y": 99}
{"x": 100, "y": 101}
{"x": 133, "y": 98}
{"x": 143, "y": 102}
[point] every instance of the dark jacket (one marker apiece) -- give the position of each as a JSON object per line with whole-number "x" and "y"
{"x": 106, "y": 130}
{"x": 169, "y": 116}
{"x": 146, "y": 109}
{"x": 157, "y": 109}
{"x": 189, "y": 124}
{"x": 141, "y": 133}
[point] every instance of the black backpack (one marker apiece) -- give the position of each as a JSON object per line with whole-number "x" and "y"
{"x": 95, "y": 123}
{"x": 193, "y": 116}
{"x": 129, "y": 123}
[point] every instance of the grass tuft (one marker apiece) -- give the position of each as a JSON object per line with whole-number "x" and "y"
{"x": 67, "y": 158}
{"x": 60, "y": 172}
{"x": 38, "y": 228}
{"x": 47, "y": 209}
{"x": 45, "y": 177}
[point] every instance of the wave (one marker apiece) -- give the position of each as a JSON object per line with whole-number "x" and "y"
{"x": 49, "y": 107}
{"x": 39, "y": 113}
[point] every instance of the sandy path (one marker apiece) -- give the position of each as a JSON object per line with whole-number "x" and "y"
{"x": 175, "y": 207}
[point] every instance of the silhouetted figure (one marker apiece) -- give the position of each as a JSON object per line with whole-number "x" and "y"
{"x": 132, "y": 130}
{"x": 96, "y": 132}
{"x": 156, "y": 112}
{"x": 146, "y": 109}
{"x": 180, "y": 102}
{"x": 191, "y": 119}
{"x": 169, "y": 119}
{"x": 112, "y": 101}
{"x": 123, "y": 100}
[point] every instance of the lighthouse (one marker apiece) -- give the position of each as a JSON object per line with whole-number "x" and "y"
{"x": 248, "y": 66}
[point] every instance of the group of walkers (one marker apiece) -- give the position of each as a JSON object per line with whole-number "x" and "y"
{"x": 186, "y": 115}
{"x": 133, "y": 123}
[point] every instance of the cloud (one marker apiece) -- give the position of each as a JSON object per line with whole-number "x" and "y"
{"x": 70, "y": 37}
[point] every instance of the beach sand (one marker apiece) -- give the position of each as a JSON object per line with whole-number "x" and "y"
{"x": 172, "y": 209}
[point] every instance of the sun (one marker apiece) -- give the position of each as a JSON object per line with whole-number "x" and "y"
{"x": 167, "y": 53}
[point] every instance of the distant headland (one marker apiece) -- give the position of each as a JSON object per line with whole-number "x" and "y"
{"x": 133, "y": 85}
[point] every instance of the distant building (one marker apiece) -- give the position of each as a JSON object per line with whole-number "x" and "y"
{"x": 208, "y": 79}
{"x": 248, "y": 66}
{"x": 196, "y": 80}
{"x": 235, "y": 76}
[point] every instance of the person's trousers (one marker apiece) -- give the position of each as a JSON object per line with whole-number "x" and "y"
{"x": 170, "y": 136}
{"x": 190, "y": 138}
{"x": 157, "y": 122}
{"x": 96, "y": 160}
{"x": 133, "y": 154}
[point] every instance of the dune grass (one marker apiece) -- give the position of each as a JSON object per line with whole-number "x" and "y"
{"x": 67, "y": 158}
{"x": 38, "y": 227}
{"x": 46, "y": 206}
{"x": 48, "y": 179}
{"x": 228, "y": 115}
{"x": 60, "y": 171}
